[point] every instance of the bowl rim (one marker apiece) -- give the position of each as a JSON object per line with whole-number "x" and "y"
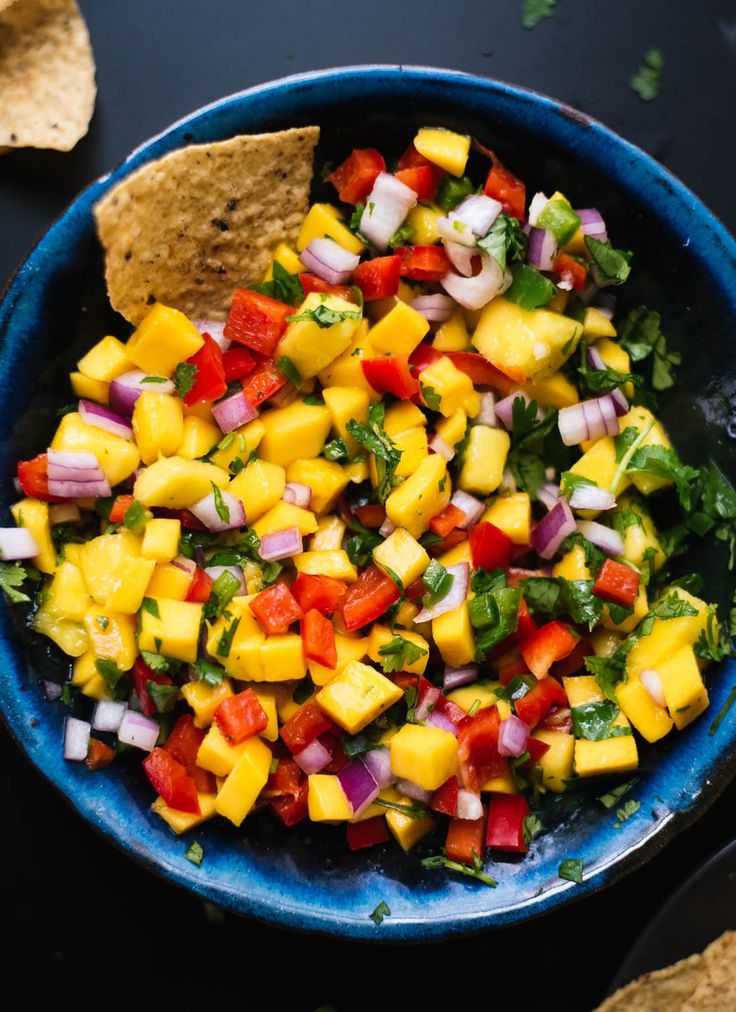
{"x": 297, "y": 914}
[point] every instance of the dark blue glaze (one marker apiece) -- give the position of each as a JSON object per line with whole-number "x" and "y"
{"x": 684, "y": 266}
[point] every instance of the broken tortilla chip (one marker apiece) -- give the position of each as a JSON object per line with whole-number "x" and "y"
{"x": 191, "y": 227}
{"x": 47, "y": 74}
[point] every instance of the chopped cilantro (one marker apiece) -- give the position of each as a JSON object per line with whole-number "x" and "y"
{"x": 375, "y": 439}
{"x": 648, "y": 78}
{"x": 595, "y": 721}
{"x": 195, "y": 853}
{"x": 410, "y": 811}
{"x": 102, "y": 621}
{"x": 226, "y": 639}
{"x": 206, "y": 671}
{"x": 109, "y": 671}
{"x": 613, "y": 796}
{"x": 629, "y": 808}
{"x": 150, "y": 604}
{"x": 381, "y": 911}
{"x": 221, "y": 507}
{"x": 323, "y": 316}
{"x": 398, "y": 654}
{"x": 506, "y": 242}
{"x": 184, "y": 376}
{"x": 641, "y": 336}
{"x": 534, "y": 11}
{"x": 730, "y": 700}
{"x": 494, "y": 615}
{"x": 154, "y": 379}
{"x": 335, "y": 450}
{"x": 12, "y": 576}
{"x": 431, "y": 398}
{"x": 571, "y": 869}
{"x": 612, "y": 266}
{"x": 165, "y": 697}
{"x": 532, "y": 827}
{"x": 284, "y": 287}
{"x": 287, "y": 368}
{"x": 476, "y": 871}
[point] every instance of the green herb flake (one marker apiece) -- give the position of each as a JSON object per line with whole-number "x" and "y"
{"x": 730, "y": 700}
{"x": 66, "y": 694}
{"x": 225, "y": 642}
{"x": 283, "y": 286}
{"x": 431, "y": 398}
{"x": 209, "y": 673}
{"x": 534, "y": 11}
{"x": 640, "y": 335}
{"x": 324, "y": 317}
{"x": 154, "y": 379}
{"x": 109, "y": 671}
{"x": 221, "y": 507}
{"x": 532, "y": 826}
{"x": 505, "y": 242}
{"x": 102, "y": 621}
{"x": 476, "y": 871}
{"x": 414, "y": 812}
{"x": 625, "y": 812}
{"x": 381, "y": 911}
{"x": 571, "y": 869}
{"x": 647, "y": 80}
{"x": 398, "y": 654}
{"x": 335, "y": 450}
{"x": 373, "y": 437}
{"x": 612, "y": 266}
{"x": 165, "y": 697}
{"x": 184, "y": 376}
{"x": 195, "y": 853}
{"x": 595, "y": 721}
{"x": 12, "y": 576}
{"x": 287, "y": 368}
{"x": 150, "y": 604}
{"x": 613, "y": 796}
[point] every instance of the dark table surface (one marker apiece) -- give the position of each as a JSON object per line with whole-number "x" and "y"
{"x": 85, "y": 922}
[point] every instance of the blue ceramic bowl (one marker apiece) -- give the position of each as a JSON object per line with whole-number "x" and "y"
{"x": 684, "y": 266}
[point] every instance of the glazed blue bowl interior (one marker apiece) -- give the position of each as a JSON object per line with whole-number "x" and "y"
{"x": 683, "y": 266}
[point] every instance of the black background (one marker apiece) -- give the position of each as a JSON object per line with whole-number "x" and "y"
{"x": 84, "y": 922}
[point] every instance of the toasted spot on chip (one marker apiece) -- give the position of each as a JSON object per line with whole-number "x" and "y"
{"x": 191, "y": 227}
{"x": 47, "y": 74}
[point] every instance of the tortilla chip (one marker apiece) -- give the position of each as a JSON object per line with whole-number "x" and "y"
{"x": 717, "y": 992}
{"x": 47, "y": 74}
{"x": 190, "y": 228}
{"x": 660, "y": 991}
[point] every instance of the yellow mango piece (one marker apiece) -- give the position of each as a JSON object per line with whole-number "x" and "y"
{"x": 245, "y": 782}
{"x": 105, "y": 360}
{"x": 399, "y": 331}
{"x": 259, "y": 486}
{"x": 503, "y": 784}
{"x": 158, "y": 425}
{"x": 175, "y": 632}
{"x": 349, "y": 648}
{"x": 89, "y": 389}
{"x": 71, "y": 637}
{"x": 632, "y": 520}
{"x": 526, "y": 344}
{"x": 329, "y": 534}
{"x": 112, "y": 636}
{"x": 169, "y": 581}
{"x": 102, "y": 558}
{"x": 289, "y": 260}
{"x": 204, "y": 699}
{"x": 247, "y": 439}
{"x": 181, "y": 822}
{"x": 67, "y": 596}
{"x": 401, "y": 416}
{"x": 641, "y": 418}
{"x": 406, "y": 831}
{"x": 641, "y": 607}
{"x": 453, "y": 637}
{"x": 452, "y": 335}
{"x": 485, "y": 460}
{"x": 130, "y": 586}
{"x": 268, "y": 702}
{"x": 557, "y": 763}
{"x": 556, "y": 391}
{"x": 424, "y": 493}
{"x": 572, "y": 565}
{"x": 445, "y": 148}
{"x": 650, "y": 720}
{"x": 283, "y": 515}
{"x": 424, "y": 754}
{"x": 466, "y": 696}
{"x": 334, "y": 563}
{"x": 596, "y": 324}
{"x": 325, "y": 221}
{"x": 161, "y": 538}
{"x": 282, "y": 658}
{"x": 326, "y": 799}
{"x": 325, "y": 478}
{"x": 357, "y": 471}
{"x": 512, "y": 514}
{"x": 667, "y": 636}
{"x": 346, "y": 404}
{"x": 381, "y": 635}
{"x": 243, "y": 660}
{"x": 611, "y": 755}
{"x": 216, "y": 754}
{"x": 600, "y": 465}
{"x": 346, "y": 370}
{"x": 357, "y": 696}
{"x": 177, "y": 483}
{"x": 84, "y": 669}
{"x": 33, "y": 514}
{"x": 163, "y": 338}
{"x": 454, "y": 388}
{"x": 310, "y": 347}
{"x": 117, "y": 457}
{"x": 423, "y": 220}
{"x": 198, "y": 437}
{"x": 403, "y": 555}
{"x": 682, "y": 683}
{"x": 412, "y": 445}
{"x": 299, "y": 430}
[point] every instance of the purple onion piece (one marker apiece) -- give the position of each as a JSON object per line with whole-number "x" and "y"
{"x": 359, "y": 785}
{"x": 551, "y": 531}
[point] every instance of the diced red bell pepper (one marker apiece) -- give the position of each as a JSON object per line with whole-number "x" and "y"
{"x": 570, "y": 269}
{"x": 292, "y": 808}
{"x": 372, "y": 515}
{"x": 617, "y": 582}
{"x": 241, "y": 717}
{"x": 263, "y": 383}
{"x": 536, "y": 749}
{"x": 287, "y": 778}
{"x": 367, "y": 833}
{"x": 506, "y": 814}
{"x": 452, "y": 539}
{"x": 321, "y": 592}
{"x": 444, "y": 799}
{"x": 318, "y": 638}
{"x": 411, "y": 157}
{"x": 416, "y": 590}
{"x": 170, "y": 779}
{"x": 308, "y": 723}
{"x": 183, "y": 743}
{"x": 338, "y": 757}
{"x": 490, "y": 547}
{"x": 574, "y": 660}
{"x": 200, "y": 588}
{"x": 421, "y": 179}
{"x": 509, "y": 666}
{"x": 256, "y": 320}
{"x": 209, "y": 380}
{"x": 354, "y": 178}
{"x": 33, "y": 476}
{"x": 390, "y": 375}
{"x": 314, "y": 283}
{"x": 481, "y": 371}
{"x": 525, "y": 625}
{"x": 368, "y": 598}
{"x": 237, "y": 364}
{"x": 378, "y": 278}
{"x": 276, "y": 609}
{"x": 142, "y": 675}
{"x": 423, "y": 263}
{"x": 550, "y": 643}
{"x": 477, "y": 749}
{"x": 446, "y": 520}
{"x": 464, "y": 841}
{"x": 536, "y": 704}
{"x": 504, "y": 187}
{"x": 423, "y": 356}
{"x": 450, "y": 710}
{"x": 120, "y": 507}
{"x": 99, "y": 755}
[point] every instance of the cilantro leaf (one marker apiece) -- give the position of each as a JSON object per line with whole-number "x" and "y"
{"x": 226, "y": 639}
{"x": 335, "y": 450}
{"x": 150, "y": 604}
{"x": 415, "y": 811}
{"x": 381, "y": 911}
{"x": 534, "y": 11}
{"x": 494, "y": 615}
{"x": 722, "y": 713}
{"x": 648, "y": 78}
{"x": 476, "y": 871}
{"x": 195, "y": 851}
{"x": 663, "y": 462}
{"x": 184, "y": 376}
{"x": 612, "y": 797}
{"x": 625, "y": 812}
{"x": 284, "y": 287}
{"x": 399, "y": 653}
{"x": 324, "y": 317}
{"x": 641, "y": 336}
{"x": 109, "y": 671}
{"x": 595, "y": 721}
{"x": 12, "y": 576}
{"x": 611, "y": 266}
{"x": 431, "y": 398}
{"x": 375, "y": 439}
{"x": 505, "y": 242}
{"x": 571, "y": 869}
{"x": 164, "y": 696}
{"x": 206, "y": 671}
{"x": 221, "y": 507}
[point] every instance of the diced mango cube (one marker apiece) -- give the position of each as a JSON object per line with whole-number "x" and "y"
{"x": 298, "y": 430}
{"x": 403, "y": 555}
{"x": 424, "y": 493}
{"x": 557, "y": 763}
{"x": 667, "y": 636}
{"x": 381, "y": 635}
{"x": 445, "y": 148}
{"x": 69, "y": 636}
{"x": 105, "y": 360}
{"x": 161, "y": 539}
{"x": 596, "y": 324}
{"x": 346, "y": 404}
{"x": 650, "y": 720}
{"x": 682, "y": 683}
{"x": 204, "y": 699}
{"x": 325, "y": 221}
{"x": 442, "y": 379}
{"x": 326, "y": 800}
{"x": 198, "y": 437}
{"x": 180, "y": 822}
{"x": 485, "y": 460}
{"x": 158, "y": 425}
{"x": 452, "y": 429}
{"x": 413, "y": 447}
{"x": 311, "y": 347}
{"x": 636, "y": 526}
{"x": 174, "y": 631}
{"x": 611, "y": 755}
{"x": 89, "y": 389}
{"x": 216, "y": 754}
{"x": 400, "y": 330}
{"x": 268, "y": 702}
{"x": 284, "y": 515}
{"x": 329, "y": 534}
{"x": 169, "y": 581}
{"x": 131, "y": 584}
{"x": 243, "y": 659}
{"x": 325, "y": 478}
{"x": 117, "y": 457}
{"x": 453, "y": 636}
{"x": 406, "y": 831}
{"x": 176, "y": 483}
{"x": 245, "y": 782}
{"x": 287, "y": 258}
{"x": 357, "y": 696}
{"x": 349, "y": 648}
{"x": 163, "y": 338}
{"x": 466, "y": 696}
{"x": 33, "y": 514}
{"x": 512, "y": 514}
{"x": 282, "y": 658}
{"x": 101, "y": 561}
{"x": 642, "y": 418}
{"x": 423, "y": 220}
{"x": 641, "y": 607}
{"x": 556, "y": 391}
{"x": 346, "y": 370}
{"x": 328, "y": 562}
{"x": 112, "y": 636}
{"x": 246, "y": 440}
{"x": 452, "y": 335}
{"x": 599, "y": 464}
{"x": 401, "y": 416}
{"x": 67, "y": 596}
{"x": 424, "y": 754}
{"x": 259, "y": 486}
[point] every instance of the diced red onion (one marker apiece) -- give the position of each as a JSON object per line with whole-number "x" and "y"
{"x": 455, "y": 677}
{"x": 108, "y": 715}
{"x": 284, "y": 396}
{"x": 559, "y": 719}
{"x": 52, "y": 690}
{"x": 591, "y": 497}
{"x": 592, "y": 223}
{"x": 378, "y": 762}
{"x": 456, "y": 595}
{"x": 551, "y": 531}
{"x": 126, "y": 389}
{"x": 387, "y": 206}
{"x": 138, "y": 730}
{"x": 17, "y": 543}
{"x": 471, "y": 507}
{"x": 313, "y": 758}
{"x": 548, "y": 494}
{"x": 438, "y": 445}
{"x": 591, "y": 419}
{"x": 64, "y": 513}
{"x": 505, "y": 408}
{"x": 537, "y": 204}
{"x": 76, "y": 739}
{"x": 298, "y": 494}
{"x": 81, "y": 466}
{"x": 206, "y": 511}
{"x": 605, "y": 538}
{"x": 427, "y": 703}
{"x": 513, "y": 734}
{"x": 63, "y": 488}
{"x": 414, "y": 791}
{"x": 487, "y": 410}
{"x": 461, "y": 257}
{"x": 182, "y": 562}
{"x": 594, "y": 359}
{"x": 359, "y": 785}
{"x": 281, "y": 544}
{"x": 233, "y": 411}
{"x": 653, "y": 684}
{"x": 386, "y": 528}
{"x": 442, "y": 722}
{"x": 469, "y": 805}
{"x": 475, "y": 292}
{"x": 435, "y": 308}
{"x": 236, "y": 571}
{"x": 620, "y": 404}
{"x": 215, "y": 329}
{"x": 478, "y": 212}
{"x": 541, "y": 249}
{"x": 102, "y": 418}
{"x": 329, "y": 261}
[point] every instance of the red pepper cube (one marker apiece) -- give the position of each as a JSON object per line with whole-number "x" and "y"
{"x": 423, "y": 263}
{"x": 171, "y": 780}
{"x": 354, "y": 178}
{"x": 444, "y": 799}
{"x": 490, "y": 547}
{"x": 390, "y": 375}
{"x": 241, "y": 717}
{"x": 321, "y": 592}
{"x": 465, "y": 841}
{"x": 477, "y": 749}
{"x": 263, "y": 383}
{"x": 533, "y": 707}
{"x": 504, "y": 187}
{"x": 256, "y": 321}
{"x": 237, "y": 363}
{"x": 367, "y": 833}
{"x": 378, "y": 278}
{"x": 313, "y": 283}
{"x": 276, "y": 609}
{"x": 368, "y": 598}
{"x": 570, "y": 269}
{"x": 308, "y": 723}
{"x": 200, "y": 587}
{"x": 421, "y": 179}
{"x": 183, "y": 743}
{"x": 552, "y": 642}
{"x": 120, "y": 507}
{"x": 506, "y": 814}
{"x": 33, "y": 477}
{"x": 209, "y": 379}
{"x": 99, "y": 755}
{"x": 446, "y": 520}
{"x": 480, "y": 371}
{"x": 318, "y": 639}
{"x": 618, "y": 583}
{"x": 292, "y": 808}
